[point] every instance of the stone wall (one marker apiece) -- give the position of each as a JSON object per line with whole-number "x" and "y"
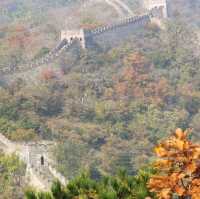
{"x": 71, "y": 35}
{"x": 40, "y": 171}
{"x": 114, "y": 34}
{"x": 87, "y": 38}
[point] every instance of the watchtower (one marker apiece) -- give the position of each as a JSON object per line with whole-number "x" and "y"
{"x": 150, "y": 4}
{"x": 71, "y": 35}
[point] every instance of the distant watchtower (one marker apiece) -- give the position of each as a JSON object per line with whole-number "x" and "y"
{"x": 150, "y": 4}
{"x": 71, "y": 35}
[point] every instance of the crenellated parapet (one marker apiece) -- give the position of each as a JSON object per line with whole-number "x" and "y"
{"x": 137, "y": 20}
{"x": 48, "y": 58}
{"x": 156, "y": 9}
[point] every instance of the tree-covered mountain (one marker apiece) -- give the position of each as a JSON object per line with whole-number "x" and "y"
{"x": 106, "y": 107}
{"x": 174, "y": 175}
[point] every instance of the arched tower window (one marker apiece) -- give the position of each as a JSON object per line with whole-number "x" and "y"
{"x": 42, "y": 160}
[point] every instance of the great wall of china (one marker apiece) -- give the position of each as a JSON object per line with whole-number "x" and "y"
{"x": 40, "y": 168}
{"x": 126, "y": 26}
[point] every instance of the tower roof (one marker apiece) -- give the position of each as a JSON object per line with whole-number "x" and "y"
{"x": 150, "y": 4}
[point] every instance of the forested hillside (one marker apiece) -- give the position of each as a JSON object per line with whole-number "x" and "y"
{"x": 106, "y": 107}
{"x": 174, "y": 175}
{"x": 12, "y": 173}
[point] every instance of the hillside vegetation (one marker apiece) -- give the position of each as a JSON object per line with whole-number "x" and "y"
{"x": 175, "y": 175}
{"x": 123, "y": 101}
{"x": 106, "y": 107}
{"x": 12, "y": 173}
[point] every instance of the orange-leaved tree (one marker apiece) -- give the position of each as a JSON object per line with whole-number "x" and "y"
{"x": 178, "y": 168}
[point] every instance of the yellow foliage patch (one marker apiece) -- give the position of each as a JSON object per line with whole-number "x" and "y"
{"x": 178, "y": 167}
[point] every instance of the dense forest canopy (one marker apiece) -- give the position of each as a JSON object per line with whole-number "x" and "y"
{"x": 106, "y": 107}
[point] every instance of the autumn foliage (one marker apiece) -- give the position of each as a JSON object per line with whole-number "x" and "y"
{"x": 178, "y": 168}
{"x": 136, "y": 81}
{"x": 47, "y": 74}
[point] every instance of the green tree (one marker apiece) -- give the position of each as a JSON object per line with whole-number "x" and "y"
{"x": 12, "y": 173}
